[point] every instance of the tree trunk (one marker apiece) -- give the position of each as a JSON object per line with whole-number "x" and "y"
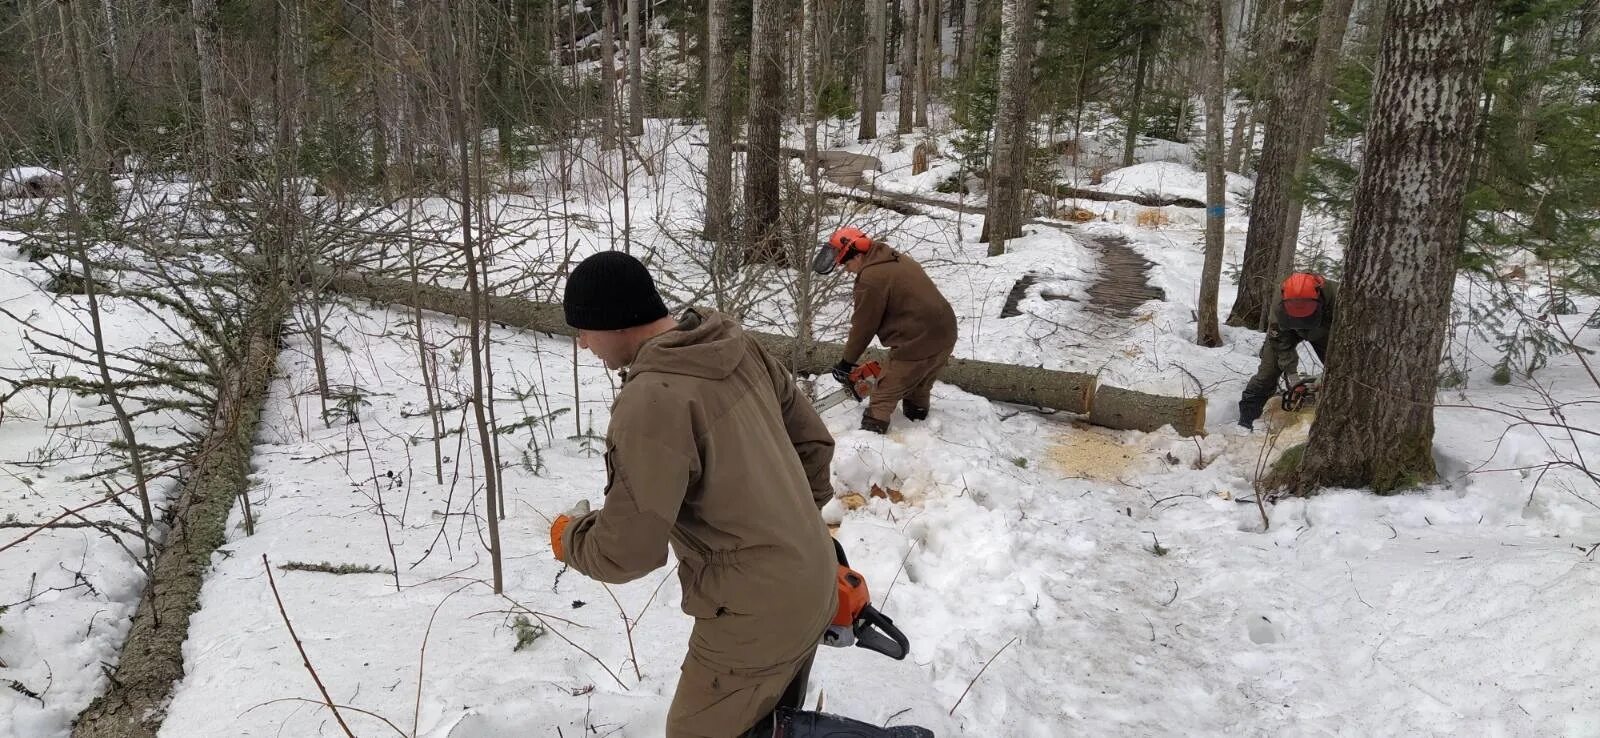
{"x": 1141, "y": 64}
{"x": 872, "y": 71}
{"x": 460, "y": 57}
{"x": 906, "y": 68}
{"x": 927, "y": 57}
{"x": 214, "y": 111}
{"x": 808, "y": 84}
{"x": 1236, "y": 142}
{"x": 719, "y": 121}
{"x": 635, "y": 70}
{"x": 1313, "y": 124}
{"x": 1269, "y": 204}
{"x": 969, "y": 34}
{"x": 1207, "y": 332}
{"x": 1534, "y": 51}
{"x": 1007, "y": 195}
{"x": 1374, "y": 427}
{"x": 378, "y": 78}
{"x": 764, "y": 157}
{"x": 94, "y": 166}
{"x": 611, "y": 117}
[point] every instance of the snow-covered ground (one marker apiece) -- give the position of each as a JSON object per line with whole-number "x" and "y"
{"x": 66, "y": 594}
{"x": 1112, "y": 582}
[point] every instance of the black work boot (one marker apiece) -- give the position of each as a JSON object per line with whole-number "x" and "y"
{"x": 787, "y": 722}
{"x": 915, "y": 412}
{"x": 1248, "y": 415}
{"x": 869, "y": 423}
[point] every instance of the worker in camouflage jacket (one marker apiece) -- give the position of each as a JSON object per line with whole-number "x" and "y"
{"x": 897, "y": 302}
{"x": 713, "y": 451}
{"x": 1305, "y": 312}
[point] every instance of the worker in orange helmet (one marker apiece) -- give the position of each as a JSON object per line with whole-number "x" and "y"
{"x": 1305, "y": 312}
{"x": 897, "y": 302}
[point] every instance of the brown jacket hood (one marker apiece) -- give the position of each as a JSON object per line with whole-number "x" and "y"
{"x": 713, "y": 449}
{"x": 706, "y": 344}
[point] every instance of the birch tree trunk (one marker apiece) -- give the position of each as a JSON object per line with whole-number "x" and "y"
{"x": 1207, "y": 333}
{"x": 1374, "y": 427}
{"x": 1007, "y": 194}
{"x": 872, "y": 71}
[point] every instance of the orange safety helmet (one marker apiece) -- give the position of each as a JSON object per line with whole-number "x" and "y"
{"x": 1302, "y": 296}
{"x": 845, "y": 243}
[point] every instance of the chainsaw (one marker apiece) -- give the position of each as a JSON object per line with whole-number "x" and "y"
{"x": 857, "y": 622}
{"x": 1301, "y": 394}
{"x": 863, "y": 380}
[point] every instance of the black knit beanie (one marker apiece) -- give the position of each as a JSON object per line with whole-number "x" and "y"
{"x": 611, "y": 291}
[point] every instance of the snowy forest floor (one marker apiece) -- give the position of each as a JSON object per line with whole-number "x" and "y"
{"x": 1114, "y": 579}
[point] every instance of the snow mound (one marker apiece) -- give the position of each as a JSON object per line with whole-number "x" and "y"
{"x": 29, "y": 182}
{"x": 1164, "y": 179}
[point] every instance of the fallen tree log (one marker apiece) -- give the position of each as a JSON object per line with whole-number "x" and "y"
{"x": 1073, "y": 392}
{"x": 1063, "y": 191}
{"x": 1124, "y": 409}
{"x": 151, "y": 663}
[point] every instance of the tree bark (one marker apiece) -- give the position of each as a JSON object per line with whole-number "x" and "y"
{"x": 927, "y": 57}
{"x": 1007, "y": 194}
{"x": 214, "y": 110}
{"x": 1207, "y": 333}
{"x": 764, "y": 157}
{"x": 906, "y": 68}
{"x": 93, "y": 159}
{"x": 1374, "y": 427}
{"x": 808, "y": 84}
{"x": 1335, "y": 21}
{"x": 1534, "y": 50}
{"x": 635, "y": 70}
{"x": 461, "y": 53}
{"x": 719, "y": 121}
{"x": 1269, "y": 204}
{"x": 969, "y": 34}
{"x": 610, "y": 120}
{"x": 1141, "y": 65}
{"x": 872, "y": 72}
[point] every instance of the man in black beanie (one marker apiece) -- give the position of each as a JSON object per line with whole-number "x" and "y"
{"x": 713, "y": 450}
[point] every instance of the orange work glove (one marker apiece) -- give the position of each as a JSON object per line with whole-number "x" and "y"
{"x": 559, "y": 527}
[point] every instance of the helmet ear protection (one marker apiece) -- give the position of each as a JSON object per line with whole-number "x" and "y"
{"x": 845, "y": 244}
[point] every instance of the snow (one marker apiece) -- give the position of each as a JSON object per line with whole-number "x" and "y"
{"x": 1112, "y": 582}
{"x": 1168, "y": 180}
{"x": 67, "y": 594}
{"x": 16, "y": 181}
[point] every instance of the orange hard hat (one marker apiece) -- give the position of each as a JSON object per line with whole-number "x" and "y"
{"x": 1302, "y": 295}
{"x": 844, "y": 243}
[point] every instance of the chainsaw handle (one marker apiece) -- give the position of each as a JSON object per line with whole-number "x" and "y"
{"x": 875, "y": 631}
